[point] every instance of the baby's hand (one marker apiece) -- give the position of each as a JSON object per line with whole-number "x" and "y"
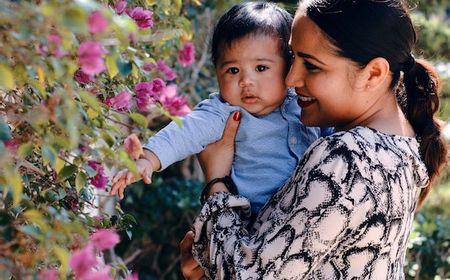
{"x": 125, "y": 177}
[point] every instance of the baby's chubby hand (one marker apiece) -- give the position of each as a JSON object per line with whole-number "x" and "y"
{"x": 146, "y": 163}
{"x": 125, "y": 177}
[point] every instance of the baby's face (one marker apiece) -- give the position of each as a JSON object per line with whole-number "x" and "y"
{"x": 251, "y": 74}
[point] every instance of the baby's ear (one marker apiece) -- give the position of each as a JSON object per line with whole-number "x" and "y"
{"x": 375, "y": 73}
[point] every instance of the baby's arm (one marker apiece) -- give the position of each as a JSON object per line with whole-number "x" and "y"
{"x": 146, "y": 165}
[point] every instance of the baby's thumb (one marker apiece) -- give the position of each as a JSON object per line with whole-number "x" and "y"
{"x": 231, "y": 128}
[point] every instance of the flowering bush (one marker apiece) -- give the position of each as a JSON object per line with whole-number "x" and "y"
{"x": 76, "y": 77}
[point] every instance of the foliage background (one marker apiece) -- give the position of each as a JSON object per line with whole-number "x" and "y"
{"x": 152, "y": 219}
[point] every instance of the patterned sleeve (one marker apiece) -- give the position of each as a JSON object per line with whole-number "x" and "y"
{"x": 302, "y": 224}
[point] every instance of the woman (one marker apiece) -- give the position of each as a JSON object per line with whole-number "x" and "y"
{"x": 347, "y": 210}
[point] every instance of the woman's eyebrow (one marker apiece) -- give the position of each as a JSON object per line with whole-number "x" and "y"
{"x": 305, "y": 55}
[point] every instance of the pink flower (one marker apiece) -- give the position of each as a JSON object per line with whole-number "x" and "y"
{"x": 97, "y": 22}
{"x": 162, "y": 67}
{"x": 132, "y": 276}
{"x": 175, "y": 104}
{"x": 143, "y": 101}
{"x": 99, "y": 180}
{"x": 142, "y": 17}
{"x": 82, "y": 261}
{"x": 55, "y": 45}
{"x": 133, "y": 146}
{"x": 120, "y": 102}
{"x": 83, "y": 78}
{"x": 104, "y": 239}
{"x": 186, "y": 56}
{"x": 151, "y": 88}
{"x": 101, "y": 274}
{"x": 49, "y": 274}
{"x": 11, "y": 145}
{"x": 90, "y": 57}
{"x": 120, "y": 7}
{"x": 158, "y": 85}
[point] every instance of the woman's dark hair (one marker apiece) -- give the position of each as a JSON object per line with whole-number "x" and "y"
{"x": 365, "y": 29}
{"x": 252, "y": 18}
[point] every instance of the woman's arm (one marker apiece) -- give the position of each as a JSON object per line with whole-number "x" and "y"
{"x": 301, "y": 226}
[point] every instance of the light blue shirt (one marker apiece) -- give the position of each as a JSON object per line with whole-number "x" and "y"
{"x": 268, "y": 147}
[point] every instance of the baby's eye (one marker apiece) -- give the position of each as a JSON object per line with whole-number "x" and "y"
{"x": 233, "y": 70}
{"x": 261, "y": 68}
{"x": 310, "y": 67}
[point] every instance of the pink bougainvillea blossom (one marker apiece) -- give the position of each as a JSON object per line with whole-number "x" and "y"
{"x": 82, "y": 261}
{"x": 120, "y": 7}
{"x": 104, "y": 239}
{"x": 162, "y": 67}
{"x": 11, "y": 145}
{"x": 49, "y": 274}
{"x": 133, "y": 146}
{"x": 186, "y": 56}
{"x": 90, "y": 57}
{"x": 97, "y": 22}
{"x": 158, "y": 85}
{"x": 143, "y": 18}
{"x": 99, "y": 180}
{"x": 143, "y": 101}
{"x": 120, "y": 102}
{"x": 101, "y": 274}
{"x": 55, "y": 45}
{"x": 83, "y": 78}
{"x": 132, "y": 276}
{"x": 175, "y": 104}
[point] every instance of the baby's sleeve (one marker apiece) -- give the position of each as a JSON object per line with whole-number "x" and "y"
{"x": 202, "y": 126}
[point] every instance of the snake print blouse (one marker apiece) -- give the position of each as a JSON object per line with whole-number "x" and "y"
{"x": 345, "y": 213}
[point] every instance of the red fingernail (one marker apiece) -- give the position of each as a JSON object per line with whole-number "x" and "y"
{"x": 237, "y": 116}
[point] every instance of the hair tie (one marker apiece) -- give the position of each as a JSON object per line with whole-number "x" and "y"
{"x": 409, "y": 64}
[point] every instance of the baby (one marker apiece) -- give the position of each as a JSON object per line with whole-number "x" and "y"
{"x": 251, "y": 55}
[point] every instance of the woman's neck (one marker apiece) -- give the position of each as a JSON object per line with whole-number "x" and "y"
{"x": 385, "y": 115}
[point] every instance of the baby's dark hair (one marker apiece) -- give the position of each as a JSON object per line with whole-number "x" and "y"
{"x": 365, "y": 29}
{"x": 252, "y": 18}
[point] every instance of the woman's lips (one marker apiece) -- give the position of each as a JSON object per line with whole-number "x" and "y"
{"x": 305, "y": 101}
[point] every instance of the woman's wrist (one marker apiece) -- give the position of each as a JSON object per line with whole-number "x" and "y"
{"x": 221, "y": 184}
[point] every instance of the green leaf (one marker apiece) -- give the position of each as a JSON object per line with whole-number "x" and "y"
{"x": 30, "y": 230}
{"x": 111, "y": 65}
{"x": 66, "y": 172}
{"x": 5, "y": 132}
{"x": 14, "y": 179}
{"x": 139, "y": 119}
{"x": 125, "y": 67}
{"x": 49, "y": 154}
{"x": 177, "y": 120}
{"x": 80, "y": 181}
{"x": 25, "y": 150}
{"x": 63, "y": 257}
{"x": 108, "y": 138}
{"x": 6, "y": 77}
{"x": 90, "y": 100}
{"x": 75, "y": 19}
{"x": 36, "y": 217}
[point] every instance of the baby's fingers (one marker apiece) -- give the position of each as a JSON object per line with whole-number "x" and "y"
{"x": 119, "y": 175}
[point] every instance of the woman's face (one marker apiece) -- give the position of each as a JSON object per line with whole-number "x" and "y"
{"x": 325, "y": 82}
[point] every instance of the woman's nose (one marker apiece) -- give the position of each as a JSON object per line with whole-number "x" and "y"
{"x": 295, "y": 77}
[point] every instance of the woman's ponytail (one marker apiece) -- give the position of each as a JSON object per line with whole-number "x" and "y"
{"x": 422, "y": 86}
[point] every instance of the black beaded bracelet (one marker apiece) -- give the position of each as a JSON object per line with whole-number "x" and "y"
{"x": 227, "y": 181}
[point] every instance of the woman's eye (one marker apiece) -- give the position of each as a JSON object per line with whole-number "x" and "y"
{"x": 261, "y": 68}
{"x": 233, "y": 70}
{"x": 310, "y": 67}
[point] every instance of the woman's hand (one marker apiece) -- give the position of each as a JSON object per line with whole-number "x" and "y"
{"x": 189, "y": 266}
{"x": 217, "y": 157}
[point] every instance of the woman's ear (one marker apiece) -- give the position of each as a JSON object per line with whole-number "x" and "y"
{"x": 375, "y": 74}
